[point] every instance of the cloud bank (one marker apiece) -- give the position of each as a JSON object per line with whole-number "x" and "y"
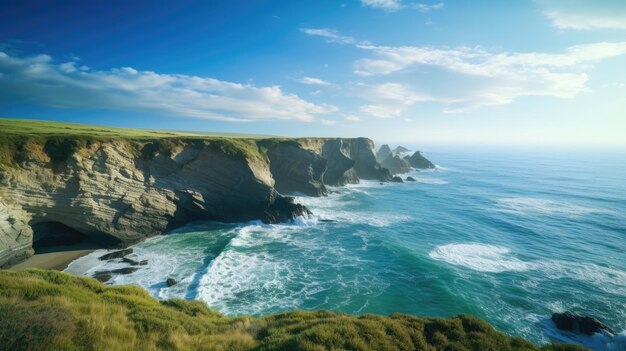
{"x": 394, "y": 76}
{"x": 585, "y": 14}
{"x": 38, "y": 80}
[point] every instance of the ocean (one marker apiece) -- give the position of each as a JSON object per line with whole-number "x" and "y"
{"x": 508, "y": 236}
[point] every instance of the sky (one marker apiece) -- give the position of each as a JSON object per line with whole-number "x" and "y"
{"x": 517, "y": 72}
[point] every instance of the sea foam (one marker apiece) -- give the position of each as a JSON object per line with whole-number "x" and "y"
{"x": 479, "y": 257}
{"x": 531, "y": 205}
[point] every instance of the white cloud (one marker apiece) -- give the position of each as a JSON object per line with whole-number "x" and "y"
{"x": 37, "y": 80}
{"x": 352, "y": 118}
{"x": 313, "y": 81}
{"x": 504, "y": 76}
{"x": 386, "y": 100}
{"x": 381, "y": 111}
{"x": 328, "y": 122}
{"x": 329, "y": 34}
{"x": 387, "y": 5}
{"x": 427, "y": 8}
{"x": 585, "y": 14}
{"x": 68, "y": 67}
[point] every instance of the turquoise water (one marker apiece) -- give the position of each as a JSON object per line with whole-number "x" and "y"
{"x": 510, "y": 237}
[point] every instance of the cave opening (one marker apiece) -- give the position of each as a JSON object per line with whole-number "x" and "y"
{"x": 51, "y": 236}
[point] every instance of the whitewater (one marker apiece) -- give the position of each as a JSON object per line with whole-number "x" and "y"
{"x": 508, "y": 236}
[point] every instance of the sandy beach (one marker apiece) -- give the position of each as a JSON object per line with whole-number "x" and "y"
{"x": 57, "y": 257}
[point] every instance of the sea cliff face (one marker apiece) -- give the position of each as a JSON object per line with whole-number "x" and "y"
{"x": 122, "y": 191}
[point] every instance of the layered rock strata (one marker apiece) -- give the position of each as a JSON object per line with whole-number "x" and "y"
{"x": 121, "y": 191}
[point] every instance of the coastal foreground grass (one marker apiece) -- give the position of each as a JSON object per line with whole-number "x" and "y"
{"x": 49, "y": 310}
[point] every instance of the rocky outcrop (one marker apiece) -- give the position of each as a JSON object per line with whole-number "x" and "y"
{"x": 340, "y": 169}
{"x": 339, "y": 152}
{"x": 295, "y": 169}
{"x": 420, "y": 162}
{"x": 399, "y": 150}
{"x": 576, "y": 323}
{"x": 120, "y": 191}
{"x": 396, "y": 165}
{"x": 366, "y": 166}
{"x": 123, "y": 191}
{"x": 16, "y": 236}
{"x": 383, "y": 152}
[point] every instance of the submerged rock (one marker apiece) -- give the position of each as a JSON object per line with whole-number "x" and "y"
{"x": 133, "y": 262}
{"x": 576, "y": 323}
{"x": 169, "y": 282}
{"x": 410, "y": 179}
{"x": 420, "y": 162}
{"x": 116, "y": 254}
{"x": 103, "y": 276}
{"x": 127, "y": 270}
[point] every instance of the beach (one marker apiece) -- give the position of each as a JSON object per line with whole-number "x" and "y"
{"x": 56, "y": 257}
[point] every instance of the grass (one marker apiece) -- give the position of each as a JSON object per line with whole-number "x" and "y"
{"x": 60, "y": 140}
{"x": 37, "y": 128}
{"x": 48, "y": 310}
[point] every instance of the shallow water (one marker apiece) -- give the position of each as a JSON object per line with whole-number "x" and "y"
{"x": 507, "y": 236}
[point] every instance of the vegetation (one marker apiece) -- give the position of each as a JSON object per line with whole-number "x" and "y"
{"x": 48, "y": 310}
{"x": 60, "y": 140}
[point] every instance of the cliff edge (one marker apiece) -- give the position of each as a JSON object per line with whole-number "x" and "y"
{"x": 119, "y": 186}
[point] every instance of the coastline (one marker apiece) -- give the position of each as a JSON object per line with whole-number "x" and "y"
{"x": 56, "y": 257}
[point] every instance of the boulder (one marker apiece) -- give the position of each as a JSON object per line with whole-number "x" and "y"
{"x": 410, "y": 179}
{"x": 396, "y": 165}
{"x": 420, "y": 162}
{"x": 397, "y": 179}
{"x": 283, "y": 210}
{"x": 169, "y": 282}
{"x": 576, "y": 323}
{"x": 116, "y": 254}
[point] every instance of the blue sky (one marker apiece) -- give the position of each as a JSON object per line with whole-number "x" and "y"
{"x": 481, "y": 72}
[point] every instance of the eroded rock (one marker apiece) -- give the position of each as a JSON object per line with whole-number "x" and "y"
{"x": 576, "y": 323}
{"x": 116, "y": 254}
{"x": 420, "y": 162}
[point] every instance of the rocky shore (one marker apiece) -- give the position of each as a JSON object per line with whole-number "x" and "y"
{"x": 117, "y": 191}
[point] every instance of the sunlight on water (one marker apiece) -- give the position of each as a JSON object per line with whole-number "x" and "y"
{"x": 473, "y": 237}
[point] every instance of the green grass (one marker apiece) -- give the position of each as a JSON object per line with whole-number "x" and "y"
{"x": 60, "y": 140}
{"x": 38, "y": 128}
{"x": 48, "y": 310}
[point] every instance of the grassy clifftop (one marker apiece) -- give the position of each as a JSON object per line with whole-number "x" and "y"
{"x": 59, "y": 139}
{"x": 47, "y": 310}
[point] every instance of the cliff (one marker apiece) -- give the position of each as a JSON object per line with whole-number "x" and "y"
{"x": 46, "y": 310}
{"x": 118, "y": 186}
{"x": 417, "y": 160}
